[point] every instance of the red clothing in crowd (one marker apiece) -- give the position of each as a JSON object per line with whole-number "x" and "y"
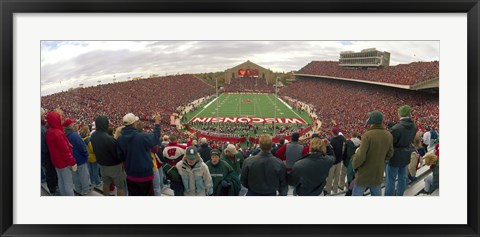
{"x": 59, "y": 147}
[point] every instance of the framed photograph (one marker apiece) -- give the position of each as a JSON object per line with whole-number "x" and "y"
{"x": 250, "y": 39}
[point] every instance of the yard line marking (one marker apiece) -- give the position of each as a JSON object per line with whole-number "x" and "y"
{"x": 204, "y": 109}
{"x": 289, "y": 107}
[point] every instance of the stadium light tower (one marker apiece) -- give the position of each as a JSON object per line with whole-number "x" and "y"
{"x": 216, "y": 98}
{"x": 275, "y": 109}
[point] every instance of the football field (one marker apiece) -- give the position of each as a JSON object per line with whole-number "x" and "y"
{"x": 251, "y": 108}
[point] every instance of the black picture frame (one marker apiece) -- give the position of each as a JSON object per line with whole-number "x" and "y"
{"x": 9, "y": 7}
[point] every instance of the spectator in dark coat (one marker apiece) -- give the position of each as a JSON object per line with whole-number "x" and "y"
{"x": 264, "y": 174}
{"x": 334, "y": 180}
{"x": 403, "y": 134}
{"x": 204, "y": 150}
{"x": 105, "y": 149}
{"x": 309, "y": 174}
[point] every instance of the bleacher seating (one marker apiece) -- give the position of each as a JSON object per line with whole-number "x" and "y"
{"x": 402, "y": 74}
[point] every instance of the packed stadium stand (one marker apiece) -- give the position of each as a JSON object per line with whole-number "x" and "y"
{"x": 402, "y": 74}
{"x": 141, "y": 97}
{"x": 248, "y": 84}
{"x": 347, "y": 103}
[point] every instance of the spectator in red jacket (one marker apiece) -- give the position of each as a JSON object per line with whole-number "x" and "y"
{"x": 61, "y": 154}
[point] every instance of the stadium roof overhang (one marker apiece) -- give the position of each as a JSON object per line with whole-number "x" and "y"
{"x": 408, "y": 87}
{"x": 426, "y": 84}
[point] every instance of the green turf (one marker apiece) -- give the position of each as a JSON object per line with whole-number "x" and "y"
{"x": 251, "y": 105}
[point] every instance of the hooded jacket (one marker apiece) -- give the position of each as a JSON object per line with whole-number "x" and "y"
{"x": 134, "y": 148}
{"x": 309, "y": 174}
{"x": 403, "y": 134}
{"x": 58, "y": 145}
{"x": 104, "y": 145}
{"x": 376, "y": 148}
{"x": 196, "y": 180}
{"x": 80, "y": 152}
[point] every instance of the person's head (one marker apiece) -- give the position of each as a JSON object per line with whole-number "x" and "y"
{"x": 417, "y": 141}
{"x": 54, "y": 120}
{"x": 230, "y": 150}
{"x": 282, "y": 141}
{"x": 355, "y": 134}
{"x": 295, "y": 137}
{"x": 375, "y": 118}
{"x": 110, "y": 131}
{"x": 203, "y": 141}
{"x": 317, "y": 145}
{"x": 173, "y": 138}
{"x": 431, "y": 159}
{"x": 42, "y": 113}
{"x": 191, "y": 155}
{"x": 215, "y": 156}
{"x": 335, "y": 131}
{"x": 69, "y": 123}
{"x": 265, "y": 142}
{"x": 165, "y": 138}
{"x": 194, "y": 142}
{"x": 404, "y": 111}
{"x": 84, "y": 130}
{"x": 101, "y": 123}
{"x": 129, "y": 120}
{"x": 61, "y": 113}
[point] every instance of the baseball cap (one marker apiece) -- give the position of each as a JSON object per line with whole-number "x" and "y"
{"x": 129, "y": 119}
{"x": 191, "y": 152}
{"x": 68, "y": 122}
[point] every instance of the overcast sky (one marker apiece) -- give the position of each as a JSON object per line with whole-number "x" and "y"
{"x": 66, "y": 64}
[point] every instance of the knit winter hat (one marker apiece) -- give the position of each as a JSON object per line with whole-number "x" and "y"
{"x": 404, "y": 111}
{"x": 375, "y": 117}
{"x": 215, "y": 152}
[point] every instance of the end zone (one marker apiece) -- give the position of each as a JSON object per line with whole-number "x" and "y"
{"x": 253, "y": 120}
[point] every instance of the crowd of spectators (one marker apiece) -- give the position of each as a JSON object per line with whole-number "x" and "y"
{"x": 248, "y": 84}
{"x": 141, "y": 97}
{"x": 345, "y": 104}
{"x": 402, "y": 74}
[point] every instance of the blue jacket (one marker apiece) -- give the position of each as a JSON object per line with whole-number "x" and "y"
{"x": 134, "y": 149}
{"x": 79, "y": 148}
